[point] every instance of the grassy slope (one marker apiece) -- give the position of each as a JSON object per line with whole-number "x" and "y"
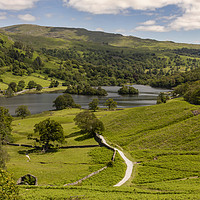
{"x": 168, "y": 163}
{"x": 164, "y": 140}
{"x": 65, "y": 165}
{"x": 62, "y": 35}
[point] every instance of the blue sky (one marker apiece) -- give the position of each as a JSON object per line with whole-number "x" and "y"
{"x": 174, "y": 20}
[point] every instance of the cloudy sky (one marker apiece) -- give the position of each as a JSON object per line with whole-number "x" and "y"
{"x": 174, "y": 20}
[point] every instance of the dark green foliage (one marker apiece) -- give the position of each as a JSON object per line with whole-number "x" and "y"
{"x": 8, "y": 188}
{"x": 88, "y": 122}
{"x": 28, "y": 180}
{"x": 53, "y": 83}
{"x": 65, "y": 101}
{"x": 39, "y": 87}
{"x": 190, "y": 91}
{"x": 31, "y": 84}
{"x": 13, "y": 86}
{"x": 21, "y": 85}
{"x": 9, "y": 92}
{"x": 111, "y": 104}
{"x": 49, "y": 130}
{"x": 37, "y": 63}
{"x": 128, "y": 90}
{"x": 192, "y": 94}
{"x": 5, "y": 124}
{"x": 162, "y": 98}
{"x": 22, "y": 111}
{"x": 3, "y": 156}
{"x": 94, "y": 104}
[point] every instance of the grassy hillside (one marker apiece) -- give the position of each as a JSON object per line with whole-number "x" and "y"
{"x": 79, "y": 56}
{"x": 162, "y": 140}
{"x": 61, "y": 166}
{"x": 79, "y": 34}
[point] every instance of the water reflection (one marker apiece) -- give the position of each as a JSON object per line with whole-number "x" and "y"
{"x": 41, "y": 102}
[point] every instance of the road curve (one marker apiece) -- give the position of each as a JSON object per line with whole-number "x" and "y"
{"x": 129, "y": 163}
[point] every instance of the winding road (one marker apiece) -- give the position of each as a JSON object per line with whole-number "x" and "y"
{"x": 129, "y": 163}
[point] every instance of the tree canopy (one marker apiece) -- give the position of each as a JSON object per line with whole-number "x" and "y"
{"x": 49, "y": 130}
{"x": 111, "y": 104}
{"x": 94, "y": 104}
{"x": 88, "y": 122}
{"x": 5, "y": 124}
{"x": 22, "y": 111}
{"x": 65, "y": 101}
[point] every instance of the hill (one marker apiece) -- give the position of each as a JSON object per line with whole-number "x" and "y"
{"x": 80, "y": 34}
{"x": 161, "y": 140}
{"x": 97, "y": 58}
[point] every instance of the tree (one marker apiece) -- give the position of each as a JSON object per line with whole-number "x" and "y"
{"x": 13, "y": 86}
{"x": 65, "y": 101}
{"x": 5, "y": 124}
{"x": 22, "y": 111}
{"x": 88, "y": 122}
{"x": 9, "y": 92}
{"x": 111, "y": 104}
{"x": 31, "y": 84}
{"x": 21, "y": 85}
{"x": 39, "y": 87}
{"x": 94, "y": 105}
{"x": 162, "y": 98}
{"x": 3, "y": 156}
{"x": 49, "y": 130}
{"x": 8, "y": 188}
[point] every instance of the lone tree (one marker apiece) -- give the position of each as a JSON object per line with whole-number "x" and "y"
{"x": 49, "y": 130}
{"x": 88, "y": 122}
{"x": 111, "y": 104}
{"x": 94, "y": 105}
{"x": 22, "y": 111}
{"x": 65, "y": 101}
{"x": 5, "y": 124}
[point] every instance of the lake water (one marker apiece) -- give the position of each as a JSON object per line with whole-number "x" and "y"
{"x": 42, "y": 102}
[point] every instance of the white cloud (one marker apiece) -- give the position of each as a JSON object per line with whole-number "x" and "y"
{"x": 16, "y": 4}
{"x": 27, "y": 17}
{"x": 189, "y": 20}
{"x": 115, "y": 7}
{"x": 149, "y": 22}
{"x": 153, "y": 28}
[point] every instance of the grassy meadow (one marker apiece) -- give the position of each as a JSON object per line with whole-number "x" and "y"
{"x": 161, "y": 140}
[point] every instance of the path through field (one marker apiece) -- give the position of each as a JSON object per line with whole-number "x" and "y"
{"x": 129, "y": 163}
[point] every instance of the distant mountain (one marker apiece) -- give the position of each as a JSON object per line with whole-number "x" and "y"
{"x": 80, "y": 34}
{"x": 78, "y": 56}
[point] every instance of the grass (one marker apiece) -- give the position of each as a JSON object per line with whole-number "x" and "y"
{"x": 162, "y": 139}
{"x": 109, "y": 193}
{"x": 64, "y": 165}
{"x": 8, "y": 77}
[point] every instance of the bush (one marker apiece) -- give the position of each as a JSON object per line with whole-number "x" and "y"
{"x": 8, "y": 188}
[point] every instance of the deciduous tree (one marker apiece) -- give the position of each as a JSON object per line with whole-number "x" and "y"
{"x": 88, "y": 122}
{"x": 49, "y": 131}
{"x": 22, "y": 111}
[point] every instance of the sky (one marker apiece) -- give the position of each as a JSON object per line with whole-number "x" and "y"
{"x": 171, "y": 20}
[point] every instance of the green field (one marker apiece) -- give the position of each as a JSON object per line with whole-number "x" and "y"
{"x": 63, "y": 165}
{"x": 162, "y": 141}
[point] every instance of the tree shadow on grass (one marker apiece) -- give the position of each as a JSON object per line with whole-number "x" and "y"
{"x": 37, "y": 150}
{"x": 74, "y": 134}
{"x": 86, "y": 136}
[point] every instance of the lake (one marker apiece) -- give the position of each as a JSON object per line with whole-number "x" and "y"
{"x": 42, "y": 102}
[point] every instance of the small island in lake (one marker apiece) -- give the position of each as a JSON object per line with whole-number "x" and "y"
{"x": 85, "y": 90}
{"x": 128, "y": 90}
